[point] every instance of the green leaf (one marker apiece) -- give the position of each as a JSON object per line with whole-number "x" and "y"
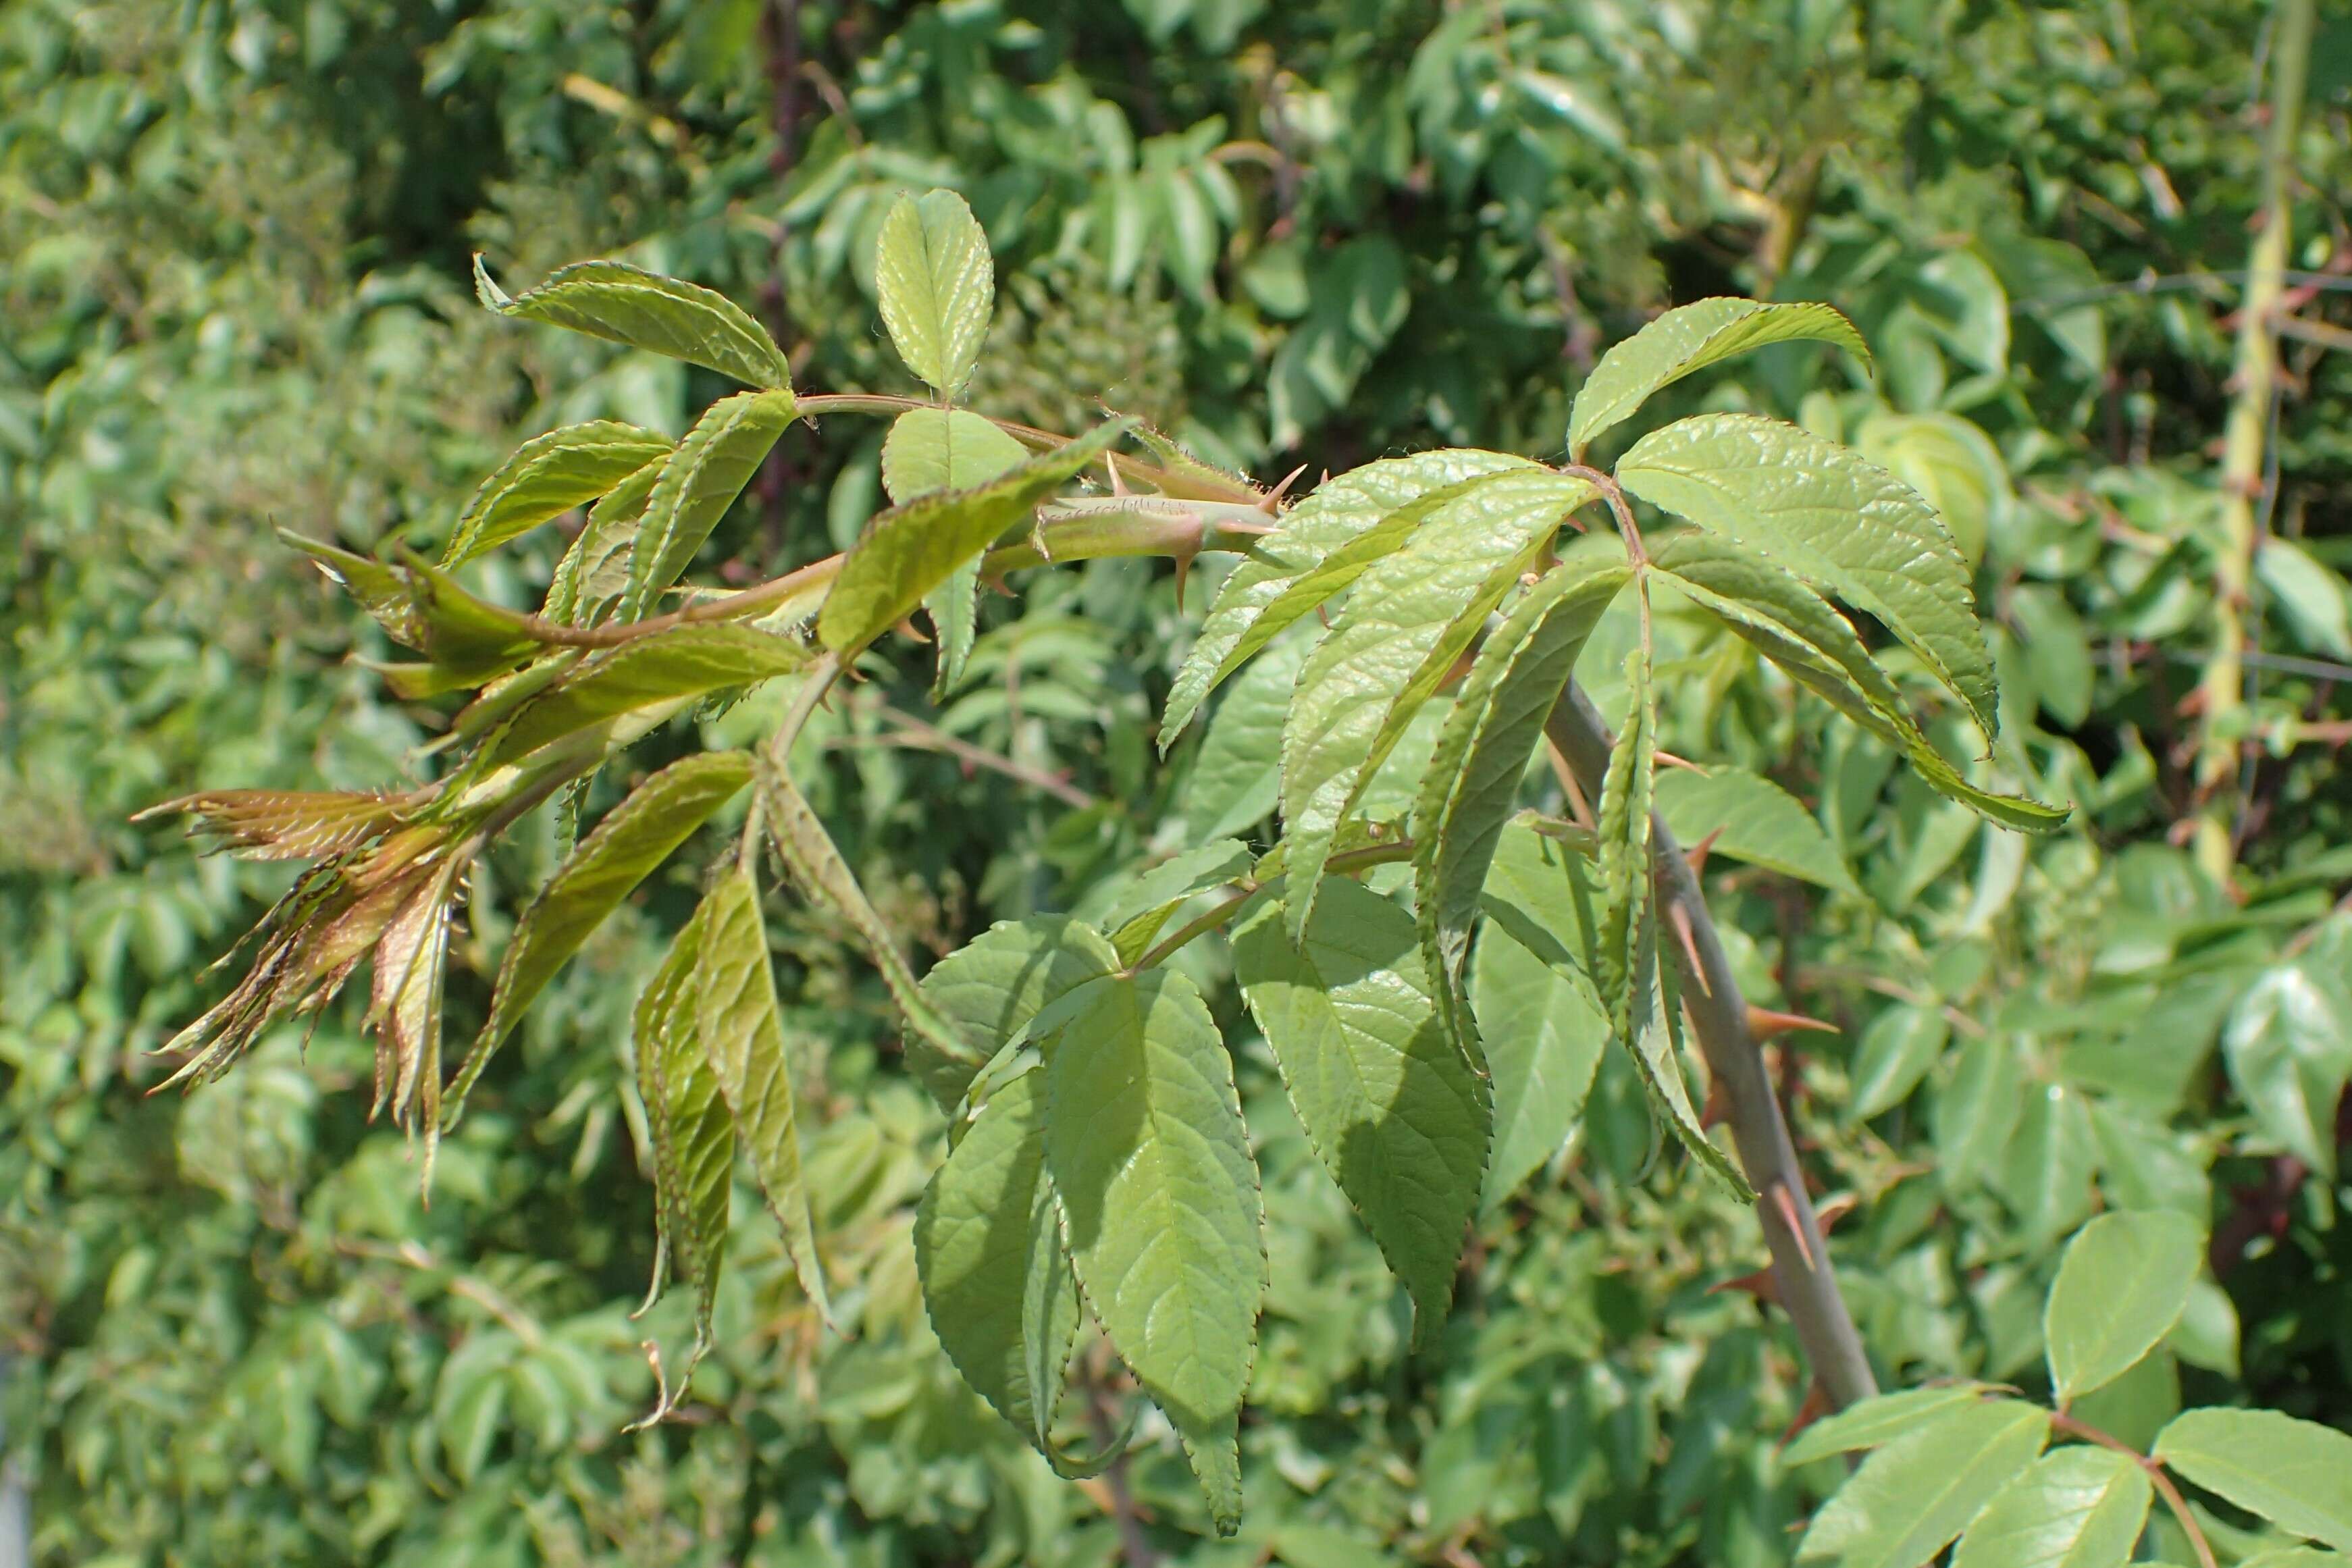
{"x": 2072, "y": 1507}
{"x": 1408, "y": 619}
{"x": 1691, "y": 338}
{"x": 1160, "y": 1200}
{"x": 1540, "y": 888}
{"x": 938, "y": 287}
{"x": 1236, "y": 777}
{"x": 911, "y": 550}
{"x": 548, "y": 476}
{"x": 1631, "y": 984}
{"x": 932, "y": 449}
{"x": 626, "y": 304}
{"x": 988, "y": 989}
{"x": 1799, "y": 631}
{"x": 939, "y": 1055}
{"x": 1393, "y": 1108}
{"x": 1881, "y": 1419}
{"x": 1911, "y": 1498}
{"x": 695, "y": 489}
{"x": 996, "y": 1277}
{"x": 1818, "y": 509}
{"x": 1543, "y": 1038}
{"x": 1755, "y": 820}
{"x": 2296, "y": 1473}
{"x": 2122, "y": 1283}
{"x": 635, "y": 836}
{"x": 692, "y": 1132}
{"x": 1483, "y": 751}
{"x": 1136, "y": 916}
{"x": 744, "y": 1040}
{"x": 1337, "y": 512}
{"x": 381, "y": 590}
{"x": 685, "y": 661}
{"x": 2288, "y": 1044}
{"x": 594, "y": 573}
{"x": 1897, "y": 1051}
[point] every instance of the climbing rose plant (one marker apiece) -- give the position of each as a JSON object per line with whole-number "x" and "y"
{"x": 1407, "y": 973}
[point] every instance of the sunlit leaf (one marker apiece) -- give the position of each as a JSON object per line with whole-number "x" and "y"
{"x": 626, "y": 304}
{"x": 2296, "y": 1473}
{"x": 1691, "y": 338}
{"x": 938, "y": 287}
{"x": 695, "y": 489}
{"x": 2122, "y": 1283}
{"x": 547, "y": 477}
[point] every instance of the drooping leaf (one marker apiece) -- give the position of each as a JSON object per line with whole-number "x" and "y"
{"x": 1690, "y": 338}
{"x": 1236, "y": 777}
{"x": 1543, "y": 1038}
{"x": 938, "y": 287}
{"x": 695, "y": 489}
{"x": 1755, "y": 820}
{"x": 1799, "y": 631}
{"x": 932, "y": 449}
{"x": 2288, "y": 1044}
{"x": 1393, "y": 1108}
{"x": 1878, "y": 1420}
{"x": 2122, "y": 1283}
{"x": 1913, "y": 1497}
{"x": 626, "y": 304}
{"x": 996, "y": 1277}
{"x": 1408, "y": 619}
{"x": 547, "y": 477}
{"x": 911, "y": 550}
{"x": 1823, "y": 512}
{"x": 1160, "y": 1200}
{"x": 594, "y": 574}
{"x": 633, "y": 838}
{"x": 1338, "y": 511}
{"x": 2296, "y": 1473}
{"x": 1135, "y": 917}
{"x": 684, "y": 661}
{"x": 988, "y": 989}
{"x": 941, "y": 1056}
{"x": 742, "y": 1038}
{"x": 2072, "y": 1508}
{"x": 1473, "y": 781}
{"x": 693, "y": 1133}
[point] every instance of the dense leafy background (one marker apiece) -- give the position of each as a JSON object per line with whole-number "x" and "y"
{"x": 234, "y": 244}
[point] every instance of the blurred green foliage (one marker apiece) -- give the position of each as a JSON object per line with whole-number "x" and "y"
{"x": 234, "y": 236}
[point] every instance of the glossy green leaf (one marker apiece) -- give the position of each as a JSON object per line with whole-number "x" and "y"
{"x": 941, "y": 1056}
{"x": 744, "y": 1040}
{"x": 1821, "y": 511}
{"x": 911, "y": 550}
{"x": 695, "y": 489}
{"x": 1543, "y": 1038}
{"x": 1690, "y": 338}
{"x": 626, "y": 304}
{"x": 1896, "y": 1050}
{"x": 1392, "y": 1107}
{"x": 2296, "y": 1473}
{"x": 1878, "y": 1420}
{"x": 2288, "y": 1044}
{"x": 1136, "y": 916}
{"x": 996, "y": 1277}
{"x": 594, "y": 574}
{"x": 1160, "y": 1202}
{"x": 1339, "y": 511}
{"x": 547, "y": 477}
{"x": 988, "y": 989}
{"x": 1799, "y": 631}
{"x": 2072, "y": 1508}
{"x": 1912, "y": 1498}
{"x": 1409, "y": 616}
{"x": 1236, "y": 777}
{"x": 685, "y": 661}
{"x": 932, "y": 449}
{"x": 1474, "y": 777}
{"x": 690, "y": 1127}
{"x": 2122, "y": 1283}
{"x": 633, "y": 838}
{"x": 1752, "y": 819}
{"x": 938, "y": 287}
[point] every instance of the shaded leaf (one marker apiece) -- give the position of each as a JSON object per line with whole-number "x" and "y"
{"x": 2288, "y": 1044}
{"x": 932, "y": 449}
{"x": 1137, "y": 915}
{"x": 1236, "y": 777}
{"x": 988, "y": 989}
{"x": 1543, "y": 1038}
{"x": 626, "y": 304}
{"x": 1755, "y": 820}
{"x": 691, "y": 1131}
{"x": 1691, "y": 338}
{"x": 1897, "y": 1051}
{"x": 594, "y": 573}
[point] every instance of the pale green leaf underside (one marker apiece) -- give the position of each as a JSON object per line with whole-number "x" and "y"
{"x": 547, "y": 477}
{"x": 1338, "y": 512}
{"x": 1691, "y": 338}
{"x": 685, "y": 661}
{"x": 2122, "y": 1283}
{"x": 2072, "y": 1508}
{"x": 1752, "y": 819}
{"x": 1911, "y": 1498}
{"x": 695, "y": 489}
{"x": 2296, "y": 1473}
{"x": 1160, "y": 1202}
{"x": 626, "y": 304}
{"x": 938, "y": 287}
{"x": 1543, "y": 1038}
{"x": 1393, "y": 1108}
{"x": 1821, "y": 511}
